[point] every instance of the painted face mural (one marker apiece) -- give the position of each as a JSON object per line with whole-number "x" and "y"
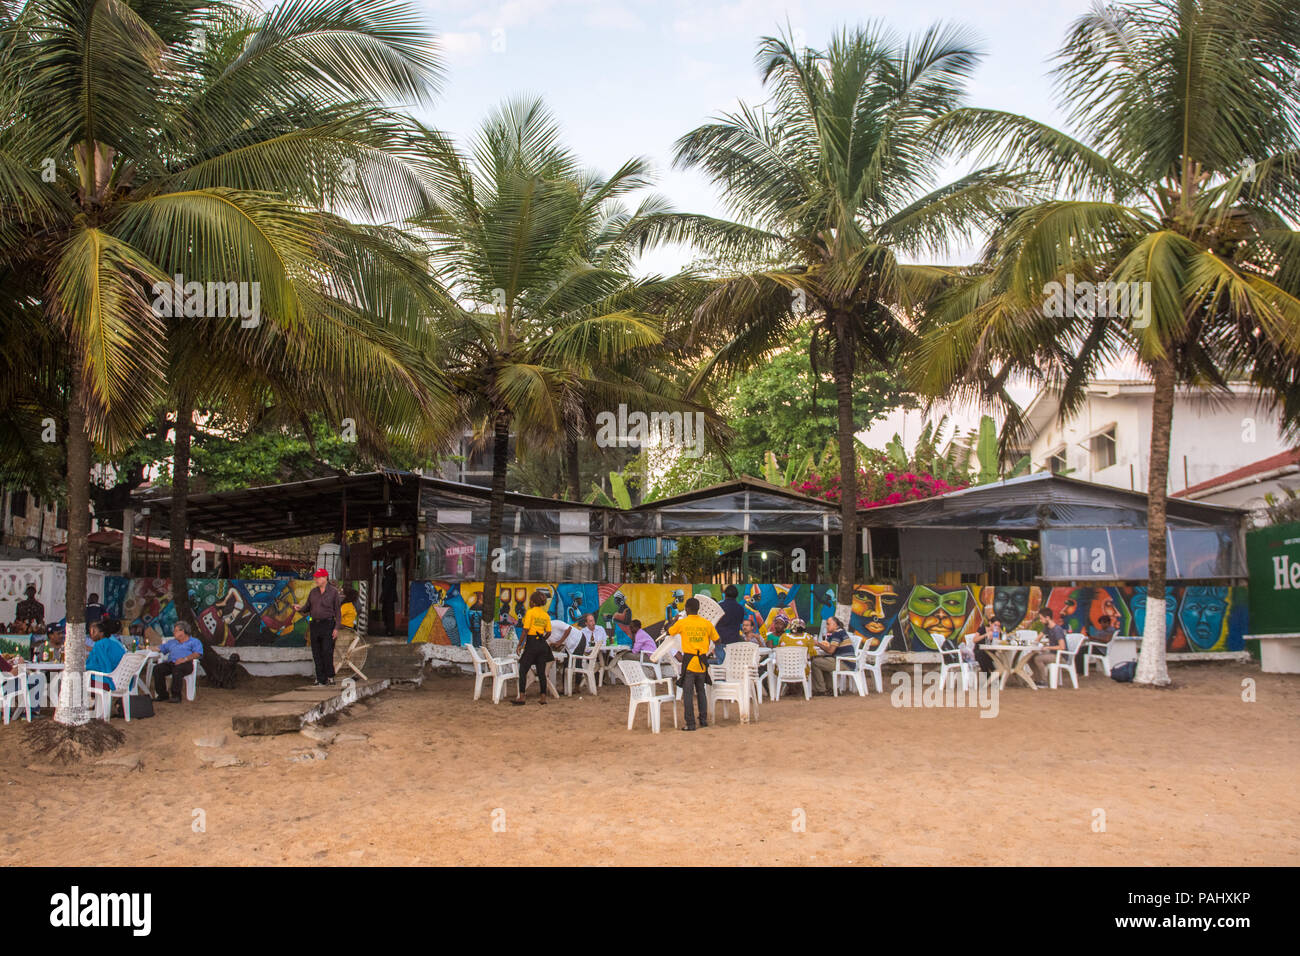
{"x": 1202, "y": 613}
{"x": 1010, "y": 606}
{"x": 1138, "y": 606}
{"x": 875, "y": 609}
{"x": 941, "y": 612}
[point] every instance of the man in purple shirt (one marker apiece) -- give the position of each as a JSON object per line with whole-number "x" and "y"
{"x": 323, "y": 606}
{"x": 180, "y": 652}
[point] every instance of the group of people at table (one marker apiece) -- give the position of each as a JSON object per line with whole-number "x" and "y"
{"x": 702, "y": 644}
{"x": 1053, "y": 640}
{"x": 106, "y": 646}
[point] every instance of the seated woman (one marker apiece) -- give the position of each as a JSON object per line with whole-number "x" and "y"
{"x": 990, "y": 632}
{"x": 106, "y": 653}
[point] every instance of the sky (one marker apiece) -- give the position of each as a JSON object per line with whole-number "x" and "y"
{"x": 628, "y": 78}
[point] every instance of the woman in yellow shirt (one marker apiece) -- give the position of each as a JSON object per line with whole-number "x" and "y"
{"x": 537, "y": 652}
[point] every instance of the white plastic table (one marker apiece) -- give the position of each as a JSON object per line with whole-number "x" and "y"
{"x": 50, "y": 672}
{"x": 1012, "y": 659}
{"x": 609, "y": 654}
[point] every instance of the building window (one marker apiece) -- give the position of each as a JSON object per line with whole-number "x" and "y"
{"x": 18, "y": 504}
{"x": 1056, "y": 462}
{"x": 1103, "y": 449}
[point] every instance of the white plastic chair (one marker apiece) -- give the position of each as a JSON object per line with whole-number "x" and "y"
{"x": 125, "y": 678}
{"x": 504, "y": 669}
{"x": 792, "y": 668}
{"x": 747, "y": 655}
{"x": 850, "y": 668}
{"x": 872, "y": 660}
{"x": 951, "y": 663}
{"x": 584, "y": 665}
{"x": 1065, "y": 662}
{"x": 1096, "y": 651}
{"x": 482, "y": 670}
{"x": 192, "y": 680}
{"x": 1028, "y": 636}
{"x": 643, "y": 690}
{"x": 735, "y": 679}
{"x": 16, "y": 688}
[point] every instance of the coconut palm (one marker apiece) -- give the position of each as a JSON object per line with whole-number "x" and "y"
{"x": 192, "y": 139}
{"x": 554, "y": 325}
{"x": 1182, "y": 180}
{"x": 832, "y": 184}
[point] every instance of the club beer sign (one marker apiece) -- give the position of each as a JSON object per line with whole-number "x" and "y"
{"x": 1273, "y": 560}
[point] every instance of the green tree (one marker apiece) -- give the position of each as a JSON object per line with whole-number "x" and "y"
{"x": 546, "y": 328}
{"x": 1182, "y": 188}
{"x": 787, "y": 406}
{"x": 200, "y": 143}
{"x": 833, "y": 181}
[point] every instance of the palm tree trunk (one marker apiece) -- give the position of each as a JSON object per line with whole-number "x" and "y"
{"x": 500, "y": 453}
{"x": 843, "y": 374}
{"x": 73, "y": 709}
{"x": 179, "y": 509}
{"x": 1151, "y": 667}
{"x": 572, "y": 466}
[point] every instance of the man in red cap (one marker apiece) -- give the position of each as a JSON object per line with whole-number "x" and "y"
{"x": 323, "y": 607}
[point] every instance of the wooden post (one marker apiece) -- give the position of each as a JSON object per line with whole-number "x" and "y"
{"x": 128, "y": 531}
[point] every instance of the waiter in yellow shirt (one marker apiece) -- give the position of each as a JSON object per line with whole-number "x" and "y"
{"x": 537, "y": 652}
{"x": 697, "y": 637}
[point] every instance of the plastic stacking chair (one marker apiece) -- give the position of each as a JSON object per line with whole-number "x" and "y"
{"x": 482, "y": 670}
{"x": 792, "y": 668}
{"x": 738, "y": 682}
{"x": 951, "y": 663}
{"x": 851, "y": 668}
{"x": 16, "y": 691}
{"x": 1064, "y": 662}
{"x": 873, "y": 660}
{"x": 1095, "y": 651}
{"x": 653, "y": 692}
{"x": 584, "y": 665}
{"x": 125, "y": 677}
{"x": 504, "y": 669}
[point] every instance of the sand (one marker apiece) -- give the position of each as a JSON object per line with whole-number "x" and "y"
{"x": 1192, "y": 775}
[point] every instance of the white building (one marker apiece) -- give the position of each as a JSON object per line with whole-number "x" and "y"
{"x": 1108, "y": 440}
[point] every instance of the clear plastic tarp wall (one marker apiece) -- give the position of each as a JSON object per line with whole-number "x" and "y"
{"x": 1120, "y": 554}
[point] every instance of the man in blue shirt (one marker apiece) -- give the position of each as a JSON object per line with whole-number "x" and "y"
{"x": 105, "y": 655}
{"x": 180, "y": 652}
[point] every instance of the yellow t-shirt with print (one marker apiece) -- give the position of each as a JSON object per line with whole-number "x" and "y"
{"x": 537, "y": 622}
{"x": 696, "y": 634}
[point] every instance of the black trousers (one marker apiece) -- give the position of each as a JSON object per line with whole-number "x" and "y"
{"x": 177, "y": 672}
{"x": 322, "y": 649}
{"x": 693, "y": 682}
{"x": 536, "y": 654}
{"x": 390, "y": 617}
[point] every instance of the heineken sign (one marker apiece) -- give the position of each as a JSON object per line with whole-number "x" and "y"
{"x": 1273, "y": 561}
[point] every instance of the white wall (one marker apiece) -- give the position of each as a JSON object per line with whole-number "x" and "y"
{"x": 1211, "y": 436}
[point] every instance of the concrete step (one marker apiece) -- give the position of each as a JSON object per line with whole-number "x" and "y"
{"x": 289, "y": 712}
{"x": 395, "y": 660}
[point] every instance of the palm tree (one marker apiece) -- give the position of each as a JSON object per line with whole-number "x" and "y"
{"x": 204, "y": 144}
{"x": 1183, "y": 181}
{"x": 832, "y": 182}
{"x": 538, "y": 249}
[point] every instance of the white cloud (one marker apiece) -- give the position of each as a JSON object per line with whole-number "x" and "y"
{"x": 462, "y": 47}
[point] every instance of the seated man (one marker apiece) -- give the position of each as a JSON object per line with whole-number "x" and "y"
{"x": 642, "y": 642}
{"x": 593, "y": 635}
{"x": 837, "y": 643}
{"x": 1054, "y": 635}
{"x": 180, "y": 653}
{"x": 105, "y": 655}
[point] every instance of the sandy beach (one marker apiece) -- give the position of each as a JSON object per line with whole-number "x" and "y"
{"x": 1189, "y": 776}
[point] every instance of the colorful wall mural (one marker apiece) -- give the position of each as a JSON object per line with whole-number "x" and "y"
{"x": 232, "y": 613}
{"x": 1200, "y": 618}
